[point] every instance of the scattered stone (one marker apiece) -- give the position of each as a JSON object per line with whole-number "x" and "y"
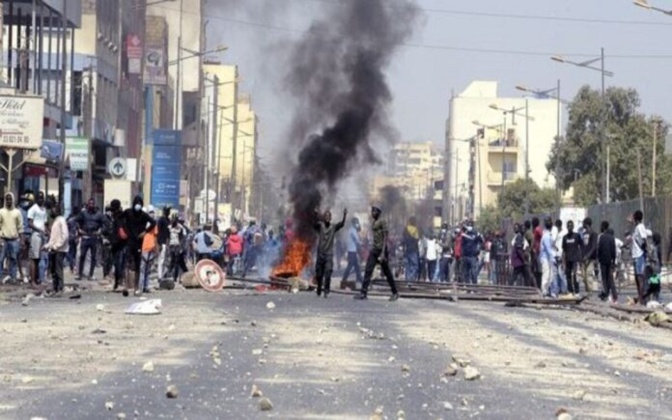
{"x": 579, "y": 395}
{"x": 405, "y": 368}
{"x": 27, "y": 380}
{"x": 657, "y": 318}
{"x": 100, "y": 307}
{"x": 148, "y": 367}
{"x": 270, "y": 305}
{"x": 377, "y": 414}
{"x": 451, "y": 370}
{"x": 265, "y": 404}
{"x": 391, "y": 359}
{"x": 564, "y": 416}
{"x": 26, "y": 300}
{"x": 121, "y": 416}
{"x": 462, "y": 362}
{"x": 257, "y": 352}
{"x": 471, "y": 373}
{"x": 172, "y": 392}
{"x": 540, "y": 365}
{"x": 401, "y": 415}
{"x": 109, "y": 406}
{"x": 94, "y": 382}
{"x": 253, "y": 323}
{"x": 256, "y": 392}
{"x": 447, "y": 406}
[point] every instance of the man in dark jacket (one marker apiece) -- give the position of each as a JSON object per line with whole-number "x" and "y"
{"x": 472, "y": 242}
{"x": 90, "y": 224}
{"x": 137, "y": 223}
{"x": 572, "y": 254}
{"x": 162, "y": 239}
{"x": 606, "y": 256}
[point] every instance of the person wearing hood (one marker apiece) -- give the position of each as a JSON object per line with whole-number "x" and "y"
{"x": 90, "y": 224}
{"x": 11, "y": 228}
{"x": 137, "y": 224}
{"x": 472, "y": 242}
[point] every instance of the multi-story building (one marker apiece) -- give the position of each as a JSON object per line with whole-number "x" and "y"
{"x": 510, "y": 143}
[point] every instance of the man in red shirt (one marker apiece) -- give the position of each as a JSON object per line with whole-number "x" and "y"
{"x": 538, "y": 233}
{"x": 458, "y": 254}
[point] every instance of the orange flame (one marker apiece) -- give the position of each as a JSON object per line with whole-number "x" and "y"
{"x": 296, "y": 257}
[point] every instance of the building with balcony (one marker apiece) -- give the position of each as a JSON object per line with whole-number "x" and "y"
{"x": 486, "y": 148}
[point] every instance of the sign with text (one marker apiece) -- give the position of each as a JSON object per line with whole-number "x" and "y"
{"x": 77, "y": 148}
{"x": 134, "y": 53}
{"x": 155, "y": 66}
{"x": 21, "y": 121}
{"x": 166, "y": 168}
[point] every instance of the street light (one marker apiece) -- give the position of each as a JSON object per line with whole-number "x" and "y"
{"x": 645, "y": 5}
{"x": 604, "y": 73}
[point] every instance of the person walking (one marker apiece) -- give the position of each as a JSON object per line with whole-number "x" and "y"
{"x": 177, "y": 237}
{"x": 57, "y": 247}
{"x": 354, "y": 245}
{"x": 11, "y": 228}
{"x": 606, "y": 256}
{"x": 572, "y": 254}
{"x": 639, "y": 250}
{"x": 519, "y": 245}
{"x": 137, "y": 224}
{"x": 559, "y": 285}
{"x": 150, "y": 253}
{"x": 162, "y": 239}
{"x": 589, "y": 254}
{"x": 432, "y": 257}
{"x": 90, "y": 223}
{"x": 324, "y": 264}
{"x": 446, "y": 245}
{"x": 498, "y": 251}
{"x": 378, "y": 255}
{"x": 234, "y": 250}
{"x": 37, "y": 220}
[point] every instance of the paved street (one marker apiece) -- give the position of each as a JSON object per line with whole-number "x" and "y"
{"x": 316, "y": 358}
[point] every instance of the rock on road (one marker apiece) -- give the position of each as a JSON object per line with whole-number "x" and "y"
{"x": 227, "y": 356}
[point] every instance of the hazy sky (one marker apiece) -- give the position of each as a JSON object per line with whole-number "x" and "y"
{"x": 455, "y": 45}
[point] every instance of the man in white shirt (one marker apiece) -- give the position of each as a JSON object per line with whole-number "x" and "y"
{"x": 559, "y": 286}
{"x": 37, "y": 220}
{"x": 639, "y": 249}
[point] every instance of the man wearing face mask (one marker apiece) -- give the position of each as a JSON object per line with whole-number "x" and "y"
{"x": 137, "y": 223}
{"x": 472, "y": 242}
{"x": 354, "y": 246}
{"x": 90, "y": 224}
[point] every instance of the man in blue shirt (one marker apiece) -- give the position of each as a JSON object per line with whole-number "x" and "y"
{"x": 547, "y": 257}
{"x": 353, "y": 248}
{"x": 472, "y": 242}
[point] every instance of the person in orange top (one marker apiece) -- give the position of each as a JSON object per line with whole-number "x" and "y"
{"x": 149, "y": 254}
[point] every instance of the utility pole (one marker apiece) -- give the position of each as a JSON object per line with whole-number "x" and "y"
{"x": 64, "y": 68}
{"x": 527, "y": 156}
{"x": 234, "y": 148}
{"x": 656, "y": 126}
{"x": 603, "y": 125}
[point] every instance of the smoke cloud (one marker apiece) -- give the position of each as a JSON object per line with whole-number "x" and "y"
{"x": 337, "y": 74}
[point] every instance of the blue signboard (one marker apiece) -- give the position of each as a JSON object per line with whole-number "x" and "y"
{"x": 166, "y": 168}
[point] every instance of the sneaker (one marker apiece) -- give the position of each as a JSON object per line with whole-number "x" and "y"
{"x": 319, "y": 292}
{"x": 78, "y": 278}
{"x": 394, "y": 297}
{"x": 360, "y": 296}
{"x": 145, "y": 291}
{"x": 6, "y": 280}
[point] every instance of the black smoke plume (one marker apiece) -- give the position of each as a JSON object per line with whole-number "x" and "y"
{"x": 337, "y": 74}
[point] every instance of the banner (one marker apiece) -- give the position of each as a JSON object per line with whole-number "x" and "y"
{"x": 21, "y": 119}
{"x": 77, "y": 148}
{"x": 166, "y": 168}
{"x": 155, "y": 66}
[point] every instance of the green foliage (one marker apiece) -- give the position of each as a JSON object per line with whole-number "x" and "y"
{"x": 578, "y": 159}
{"x": 511, "y": 204}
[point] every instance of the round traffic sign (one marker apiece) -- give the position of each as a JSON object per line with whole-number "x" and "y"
{"x": 117, "y": 167}
{"x": 210, "y": 275}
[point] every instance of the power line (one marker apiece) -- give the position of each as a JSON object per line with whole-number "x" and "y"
{"x": 430, "y": 46}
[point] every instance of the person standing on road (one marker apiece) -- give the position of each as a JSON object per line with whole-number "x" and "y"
{"x": 559, "y": 285}
{"x": 37, "y": 220}
{"x": 432, "y": 256}
{"x": 572, "y": 252}
{"x": 472, "y": 242}
{"x": 11, "y": 228}
{"x": 639, "y": 249}
{"x": 354, "y": 246}
{"x": 203, "y": 243}
{"x": 498, "y": 252}
{"x": 378, "y": 255}
{"x": 324, "y": 264}
{"x": 149, "y": 254}
{"x": 162, "y": 238}
{"x": 537, "y": 234}
{"x": 137, "y": 224}
{"x": 606, "y": 256}
{"x": 57, "y": 247}
{"x": 519, "y": 246}
{"x": 234, "y": 250}
{"x": 91, "y": 224}
{"x": 177, "y": 238}
{"x": 446, "y": 246}
{"x": 547, "y": 258}
{"x": 590, "y": 254}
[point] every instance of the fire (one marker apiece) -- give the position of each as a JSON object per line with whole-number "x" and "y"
{"x": 296, "y": 258}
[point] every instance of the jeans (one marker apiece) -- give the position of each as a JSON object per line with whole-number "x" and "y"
{"x": 353, "y": 265}
{"x": 608, "y": 284}
{"x": 571, "y": 268}
{"x": 324, "y": 267}
{"x": 431, "y": 268}
{"x": 371, "y": 262}
{"x": 146, "y": 264}
{"x": 177, "y": 262}
{"x": 470, "y": 266}
{"x": 444, "y": 269}
{"x": 411, "y": 266}
{"x": 89, "y": 243}
{"x": 72, "y": 254}
{"x": 10, "y": 251}
{"x": 56, "y": 260}
{"x": 559, "y": 283}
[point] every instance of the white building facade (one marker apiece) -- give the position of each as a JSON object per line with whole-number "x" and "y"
{"x": 524, "y": 133}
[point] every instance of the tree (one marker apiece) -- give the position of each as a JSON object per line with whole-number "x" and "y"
{"x": 578, "y": 159}
{"x": 511, "y": 203}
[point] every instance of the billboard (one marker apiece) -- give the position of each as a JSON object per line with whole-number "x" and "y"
{"x": 155, "y": 66}
{"x": 77, "y": 148}
{"x": 21, "y": 121}
{"x": 166, "y": 168}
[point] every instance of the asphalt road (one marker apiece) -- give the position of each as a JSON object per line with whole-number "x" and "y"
{"x": 321, "y": 359}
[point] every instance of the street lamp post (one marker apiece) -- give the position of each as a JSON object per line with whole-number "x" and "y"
{"x": 645, "y": 4}
{"x": 604, "y": 73}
